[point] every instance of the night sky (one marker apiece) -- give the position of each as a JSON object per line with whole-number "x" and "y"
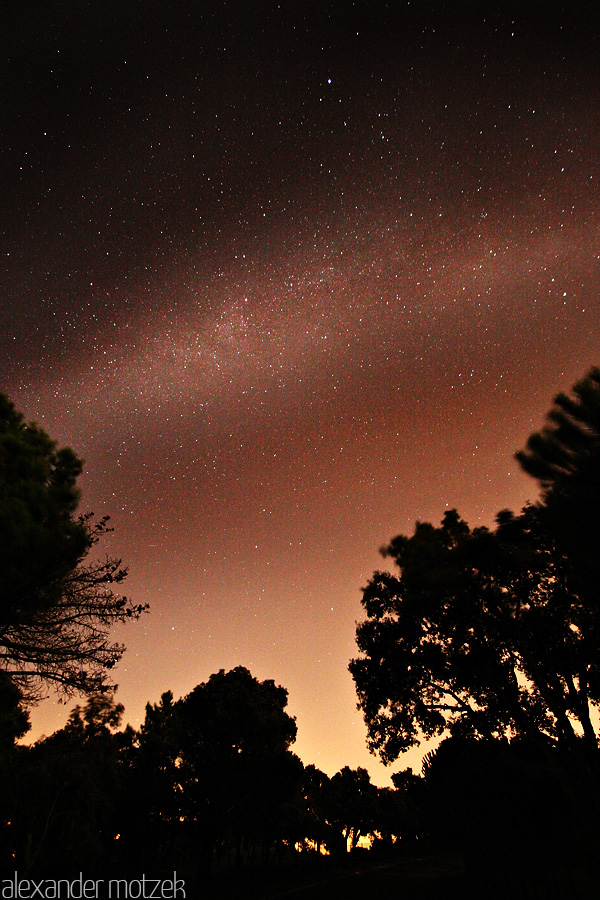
{"x": 290, "y": 277}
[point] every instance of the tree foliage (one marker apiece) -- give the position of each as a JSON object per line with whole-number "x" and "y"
{"x": 338, "y": 811}
{"x": 564, "y": 457}
{"x": 57, "y": 603}
{"x": 42, "y": 540}
{"x": 60, "y": 811}
{"x": 491, "y": 633}
{"x": 234, "y": 751}
{"x": 217, "y": 763}
{"x": 352, "y": 808}
{"x": 208, "y": 782}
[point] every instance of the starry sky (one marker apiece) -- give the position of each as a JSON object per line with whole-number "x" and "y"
{"x": 289, "y": 277}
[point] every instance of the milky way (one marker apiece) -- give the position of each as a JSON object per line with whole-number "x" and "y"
{"x": 289, "y": 281}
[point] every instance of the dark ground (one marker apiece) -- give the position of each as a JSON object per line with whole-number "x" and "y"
{"x": 415, "y": 879}
{"x": 435, "y": 877}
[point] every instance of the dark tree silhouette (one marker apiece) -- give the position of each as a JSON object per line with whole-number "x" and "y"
{"x": 479, "y": 635}
{"x": 63, "y": 801}
{"x": 14, "y": 719}
{"x": 56, "y": 605}
{"x": 481, "y": 794}
{"x": 214, "y": 770}
{"x": 564, "y": 457}
{"x": 404, "y": 810}
{"x": 315, "y": 786}
{"x": 235, "y": 757}
{"x": 338, "y": 810}
{"x": 42, "y": 541}
{"x": 488, "y": 633}
{"x": 351, "y": 807}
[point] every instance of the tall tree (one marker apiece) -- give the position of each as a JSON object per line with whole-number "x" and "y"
{"x": 495, "y": 632}
{"x": 57, "y": 605}
{"x": 235, "y": 739}
{"x": 351, "y": 807}
{"x": 219, "y": 764}
{"x": 480, "y": 634}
